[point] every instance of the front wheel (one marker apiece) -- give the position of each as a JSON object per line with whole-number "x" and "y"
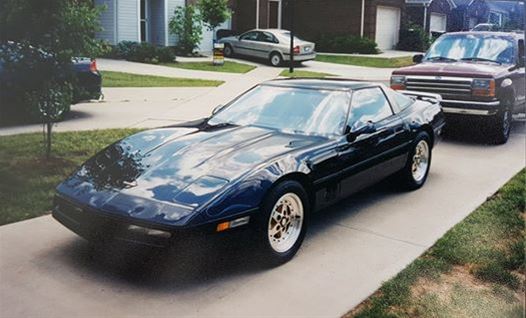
{"x": 283, "y": 222}
{"x": 416, "y": 170}
{"x": 228, "y": 51}
{"x": 502, "y": 127}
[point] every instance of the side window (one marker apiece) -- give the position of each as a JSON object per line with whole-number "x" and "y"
{"x": 369, "y": 104}
{"x": 400, "y": 99}
{"x": 266, "y": 37}
{"x": 251, "y": 36}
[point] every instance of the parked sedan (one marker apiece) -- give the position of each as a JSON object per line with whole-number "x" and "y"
{"x": 270, "y": 44}
{"x": 263, "y": 163}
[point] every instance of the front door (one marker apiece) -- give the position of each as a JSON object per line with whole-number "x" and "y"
{"x": 273, "y": 14}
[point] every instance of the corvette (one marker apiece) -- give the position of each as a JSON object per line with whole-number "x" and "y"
{"x": 264, "y": 163}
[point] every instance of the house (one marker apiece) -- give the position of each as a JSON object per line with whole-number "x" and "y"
{"x": 437, "y": 14}
{"x": 459, "y": 15}
{"x": 379, "y": 20}
{"x": 143, "y": 21}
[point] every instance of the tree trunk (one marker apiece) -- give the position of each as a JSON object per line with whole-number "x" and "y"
{"x": 49, "y": 126}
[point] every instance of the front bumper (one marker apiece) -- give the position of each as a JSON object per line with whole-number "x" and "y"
{"x": 475, "y": 108}
{"x": 99, "y": 226}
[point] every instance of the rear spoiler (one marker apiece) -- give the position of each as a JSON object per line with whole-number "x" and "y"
{"x": 428, "y": 97}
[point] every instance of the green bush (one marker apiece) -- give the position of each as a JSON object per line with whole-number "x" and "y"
{"x": 187, "y": 27}
{"x": 346, "y": 44}
{"x": 413, "y": 38}
{"x": 142, "y": 52}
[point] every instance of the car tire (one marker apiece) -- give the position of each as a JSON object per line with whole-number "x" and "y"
{"x": 415, "y": 172}
{"x": 283, "y": 222}
{"x": 275, "y": 59}
{"x": 501, "y": 126}
{"x": 228, "y": 50}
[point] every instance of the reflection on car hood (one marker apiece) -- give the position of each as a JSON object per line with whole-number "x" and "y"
{"x": 178, "y": 169}
{"x": 463, "y": 69}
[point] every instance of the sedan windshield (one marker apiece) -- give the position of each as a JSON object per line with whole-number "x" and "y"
{"x": 288, "y": 109}
{"x": 471, "y": 47}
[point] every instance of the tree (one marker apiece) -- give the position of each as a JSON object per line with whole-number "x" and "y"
{"x": 186, "y": 25}
{"x": 213, "y": 12}
{"x": 41, "y": 40}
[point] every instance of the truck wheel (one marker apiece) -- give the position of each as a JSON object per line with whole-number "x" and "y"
{"x": 414, "y": 174}
{"x": 502, "y": 127}
{"x": 228, "y": 51}
{"x": 282, "y": 224}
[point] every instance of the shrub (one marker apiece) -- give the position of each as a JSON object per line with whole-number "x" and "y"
{"x": 142, "y": 52}
{"x": 186, "y": 25}
{"x": 413, "y": 38}
{"x": 346, "y": 44}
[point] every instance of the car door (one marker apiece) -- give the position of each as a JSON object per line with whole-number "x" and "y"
{"x": 245, "y": 43}
{"x": 376, "y": 152}
{"x": 268, "y": 43}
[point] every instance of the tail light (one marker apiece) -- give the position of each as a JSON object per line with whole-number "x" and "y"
{"x": 296, "y": 50}
{"x": 93, "y": 66}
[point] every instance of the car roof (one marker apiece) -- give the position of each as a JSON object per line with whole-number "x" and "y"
{"x": 340, "y": 84}
{"x": 488, "y": 33}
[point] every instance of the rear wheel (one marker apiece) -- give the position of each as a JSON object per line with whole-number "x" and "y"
{"x": 228, "y": 51}
{"x": 414, "y": 174}
{"x": 283, "y": 222}
{"x": 275, "y": 59}
{"x": 502, "y": 127}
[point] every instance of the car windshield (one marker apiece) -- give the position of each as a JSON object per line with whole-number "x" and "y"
{"x": 471, "y": 47}
{"x": 285, "y": 35}
{"x": 288, "y": 109}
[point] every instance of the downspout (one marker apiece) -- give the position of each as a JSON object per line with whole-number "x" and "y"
{"x": 257, "y": 14}
{"x": 362, "y": 18}
{"x": 116, "y": 21}
{"x": 166, "y": 31}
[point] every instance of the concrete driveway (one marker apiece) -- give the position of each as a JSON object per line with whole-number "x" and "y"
{"x": 47, "y": 271}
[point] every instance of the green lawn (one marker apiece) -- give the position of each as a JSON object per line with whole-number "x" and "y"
{"x": 475, "y": 270}
{"x": 301, "y": 73}
{"x": 119, "y": 79}
{"x": 28, "y": 179}
{"x": 228, "y": 67}
{"x": 366, "y": 61}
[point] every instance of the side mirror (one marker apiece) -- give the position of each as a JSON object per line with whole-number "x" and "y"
{"x": 520, "y": 62}
{"x": 217, "y": 109}
{"x": 417, "y": 59}
{"x": 367, "y": 128}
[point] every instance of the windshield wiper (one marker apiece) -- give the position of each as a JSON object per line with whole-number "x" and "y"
{"x": 440, "y": 58}
{"x": 474, "y": 58}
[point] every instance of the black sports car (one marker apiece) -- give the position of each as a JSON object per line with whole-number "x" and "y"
{"x": 264, "y": 162}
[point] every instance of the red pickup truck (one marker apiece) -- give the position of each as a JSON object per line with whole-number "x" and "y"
{"x": 480, "y": 75}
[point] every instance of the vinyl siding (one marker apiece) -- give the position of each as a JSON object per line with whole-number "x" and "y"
{"x": 107, "y": 21}
{"x": 127, "y": 20}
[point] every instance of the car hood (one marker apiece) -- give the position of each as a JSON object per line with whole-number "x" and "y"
{"x": 461, "y": 69}
{"x": 165, "y": 175}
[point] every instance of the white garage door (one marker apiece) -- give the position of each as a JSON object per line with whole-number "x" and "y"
{"x": 437, "y": 22}
{"x": 387, "y": 27}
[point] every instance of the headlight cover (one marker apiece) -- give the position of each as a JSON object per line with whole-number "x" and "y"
{"x": 398, "y": 82}
{"x": 483, "y": 87}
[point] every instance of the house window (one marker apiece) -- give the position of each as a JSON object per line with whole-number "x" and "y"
{"x": 438, "y": 23}
{"x": 495, "y": 18}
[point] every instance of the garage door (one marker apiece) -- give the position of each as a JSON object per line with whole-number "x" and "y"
{"x": 437, "y": 23}
{"x": 387, "y": 27}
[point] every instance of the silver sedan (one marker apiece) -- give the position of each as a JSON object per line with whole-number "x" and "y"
{"x": 270, "y": 44}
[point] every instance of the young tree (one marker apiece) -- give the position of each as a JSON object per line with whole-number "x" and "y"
{"x": 213, "y": 12}
{"x": 186, "y": 25}
{"x": 40, "y": 39}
